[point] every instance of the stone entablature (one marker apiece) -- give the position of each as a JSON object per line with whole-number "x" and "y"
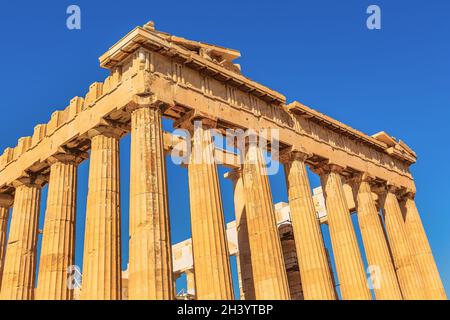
{"x": 146, "y": 63}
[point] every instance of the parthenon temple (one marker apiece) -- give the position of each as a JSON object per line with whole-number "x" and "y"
{"x": 279, "y": 249}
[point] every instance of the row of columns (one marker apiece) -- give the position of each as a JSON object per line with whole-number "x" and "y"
{"x": 401, "y": 271}
{"x": 374, "y": 241}
{"x": 404, "y": 259}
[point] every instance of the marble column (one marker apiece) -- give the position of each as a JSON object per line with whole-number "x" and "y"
{"x": 349, "y": 264}
{"x": 58, "y": 239}
{"x": 291, "y": 261}
{"x": 5, "y": 203}
{"x": 269, "y": 273}
{"x": 102, "y": 250}
{"x": 150, "y": 245}
{"x": 20, "y": 260}
{"x": 384, "y": 279}
{"x": 175, "y": 277}
{"x": 209, "y": 243}
{"x": 244, "y": 263}
{"x": 314, "y": 271}
{"x": 406, "y": 268}
{"x": 421, "y": 250}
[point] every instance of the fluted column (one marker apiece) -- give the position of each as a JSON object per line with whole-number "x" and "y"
{"x": 406, "y": 268}
{"x": 315, "y": 274}
{"x": 385, "y": 283}
{"x": 349, "y": 264}
{"x": 291, "y": 261}
{"x": 58, "y": 240}
{"x": 5, "y": 204}
{"x": 102, "y": 251}
{"x": 422, "y": 250}
{"x": 244, "y": 263}
{"x": 209, "y": 243}
{"x": 20, "y": 260}
{"x": 150, "y": 245}
{"x": 175, "y": 277}
{"x": 269, "y": 273}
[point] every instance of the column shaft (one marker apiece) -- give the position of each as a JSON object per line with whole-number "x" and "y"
{"x": 315, "y": 274}
{"x": 58, "y": 240}
{"x": 408, "y": 274}
{"x": 349, "y": 264}
{"x": 269, "y": 273}
{"x": 102, "y": 255}
{"x": 5, "y": 203}
{"x": 384, "y": 279}
{"x": 150, "y": 245}
{"x": 291, "y": 262}
{"x": 209, "y": 242}
{"x": 20, "y": 261}
{"x": 422, "y": 251}
{"x": 244, "y": 263}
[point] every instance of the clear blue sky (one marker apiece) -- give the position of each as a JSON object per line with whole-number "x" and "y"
{"x": 318, "y": 52}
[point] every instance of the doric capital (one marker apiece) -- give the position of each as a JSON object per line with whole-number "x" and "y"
{"x": 357, "y": 178}
{"x": 326, "y": 167}
{"x": 294, "y": 154}
{"x": 387, "y": 187}
{"x": 255, "y": 138}
{"x": 409, "y": 195}
{"x": 188, "y": 120}
{"x": 138, "y": 102}
{"x": 6, "y": 200}
{"x": 65, "y": 155}
{"x": 30, "y": 179}
{"x": 392, "y": 188}
{"x": 109, "y": 128}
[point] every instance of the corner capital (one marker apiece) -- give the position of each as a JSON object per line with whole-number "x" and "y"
{"x": 142, "y": 101}
{"x": 408, "y": 195}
